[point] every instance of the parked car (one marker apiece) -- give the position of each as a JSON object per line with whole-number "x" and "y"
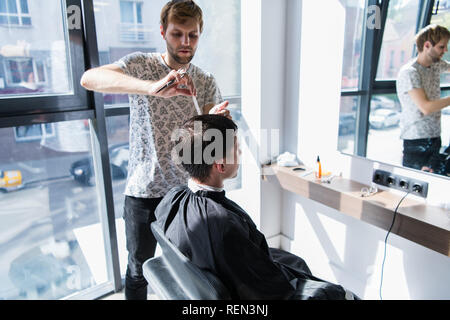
{"x": 380, "y": 102}
{"x": 10, "y": 180}
{"x": 384, "y": 118}
{"x": 347, "y": 124}
{"x": 83, "y": 169}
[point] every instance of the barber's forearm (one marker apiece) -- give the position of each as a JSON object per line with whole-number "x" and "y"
{"x": 434, "y": 105}
{"x": 110, "y": 81}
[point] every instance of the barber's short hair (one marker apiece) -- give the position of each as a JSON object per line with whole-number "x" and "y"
{"x": 179, "y": 11}
{"x": 203, "y": 140}
{"x": 433, "y": 33}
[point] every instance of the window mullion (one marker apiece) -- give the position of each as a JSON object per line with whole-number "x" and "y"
{"x": 372, "y": 47}
{"x": 100, "y": 144}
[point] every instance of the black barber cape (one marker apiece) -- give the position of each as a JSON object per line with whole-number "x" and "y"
{"x": 217, "y": 235}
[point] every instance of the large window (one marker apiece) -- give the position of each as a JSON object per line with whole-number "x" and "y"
{"x": 35, "y": 65}
{"x": 51, "y": 239}
{"x": 351, "y": 69}
{"x": 44, "y": 61}
{"x": 64, "y": 152}
{"x": 118, "y": 133}
{"x": 219, "y": 50}
{"x": 347, "y": 123}
{"x": 398, "y": 38}
{"x": 143, "y": 16}
{"x": 351, "y": 72}
{"x": 210, "y": 52}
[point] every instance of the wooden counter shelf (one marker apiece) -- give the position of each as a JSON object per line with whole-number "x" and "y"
{"x": 426, "y": 225}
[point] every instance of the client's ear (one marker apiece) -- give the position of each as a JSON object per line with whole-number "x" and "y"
{"x": 219, "y": 166}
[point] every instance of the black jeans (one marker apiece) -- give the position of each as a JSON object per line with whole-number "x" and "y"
{"x": 418, "y": 153}
{"x": 139, "y": 213}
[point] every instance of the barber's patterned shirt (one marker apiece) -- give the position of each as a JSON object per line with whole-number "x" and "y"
{"x": 151, "y": 171}
{"x": 413, "y": 123}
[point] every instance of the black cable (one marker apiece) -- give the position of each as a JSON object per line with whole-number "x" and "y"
{"x": 385, "y": 241}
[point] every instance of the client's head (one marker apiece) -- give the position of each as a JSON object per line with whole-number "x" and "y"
{"x": 208, "y": 148}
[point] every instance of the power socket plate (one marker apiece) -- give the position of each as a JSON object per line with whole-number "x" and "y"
{"x": 395, "y": 181}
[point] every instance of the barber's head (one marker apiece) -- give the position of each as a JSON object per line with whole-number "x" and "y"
{"x": 208, "y": 147}
{"x": 181, "y": 26}
{"x": 432, "y": 41}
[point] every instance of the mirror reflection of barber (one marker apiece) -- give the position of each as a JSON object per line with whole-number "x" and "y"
{"x": 419, "y": 93}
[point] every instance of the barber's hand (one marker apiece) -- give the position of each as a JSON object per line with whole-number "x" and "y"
{"x": 221, "y": 109}
{"x": 182, "y": 85}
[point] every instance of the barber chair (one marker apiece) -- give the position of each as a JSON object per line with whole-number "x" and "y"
{"x": 172, "y": 276}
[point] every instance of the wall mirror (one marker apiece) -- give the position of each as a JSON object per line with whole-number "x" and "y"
{"x": 377, "y": 44}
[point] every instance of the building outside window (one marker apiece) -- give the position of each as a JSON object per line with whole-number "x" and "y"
{"x": 37, "y": 60}
{"x": 25, "y": 72}
{"x": 131, "y": 12}
{"x": 131, "y": 25}
{"x": 14, "y": 13}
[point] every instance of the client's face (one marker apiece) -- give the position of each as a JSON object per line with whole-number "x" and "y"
{"x": 232, "y": 162}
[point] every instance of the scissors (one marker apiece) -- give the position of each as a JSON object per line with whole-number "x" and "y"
{"x": 182, "y": 72}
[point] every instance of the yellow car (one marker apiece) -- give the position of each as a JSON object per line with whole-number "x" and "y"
{"x": 10, "y": 180}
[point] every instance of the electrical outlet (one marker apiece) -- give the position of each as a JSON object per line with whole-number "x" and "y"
{"x": 388, "y": 179}
{"x": 391, "y": 181}
{"x": 378, "y": 177}
{"x": 419, "y": 188}
{"x": 404, "y": 184}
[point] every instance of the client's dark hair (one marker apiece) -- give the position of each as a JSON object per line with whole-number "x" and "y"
{"x": 202, "y": 136}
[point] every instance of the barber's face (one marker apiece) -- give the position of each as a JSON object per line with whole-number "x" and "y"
{"x": 437, "y": 52}
{"x": 182, "y": 40}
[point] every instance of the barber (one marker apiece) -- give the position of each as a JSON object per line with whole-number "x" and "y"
{"x": 418, "y": 89}
{"x": 155, "y": 112}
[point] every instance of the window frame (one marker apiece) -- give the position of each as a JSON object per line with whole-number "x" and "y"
{"x": 80, "y": 105}
{"x": 74, "y": 101}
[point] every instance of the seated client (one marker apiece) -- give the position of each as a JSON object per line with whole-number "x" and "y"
{"x": 216, "y": 234}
